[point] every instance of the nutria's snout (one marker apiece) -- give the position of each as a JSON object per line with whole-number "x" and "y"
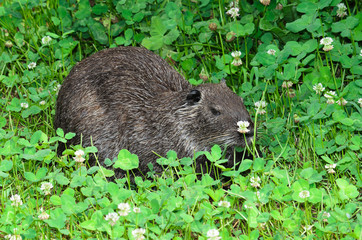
{"x": 249, "y": 138}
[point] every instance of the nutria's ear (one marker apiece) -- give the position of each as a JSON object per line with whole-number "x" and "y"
{"x": 193, "y": 97}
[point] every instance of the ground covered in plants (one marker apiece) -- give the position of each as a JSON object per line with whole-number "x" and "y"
{"x": 297, "y": 65}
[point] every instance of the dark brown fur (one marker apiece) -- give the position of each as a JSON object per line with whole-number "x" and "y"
{"x": 130, "y": 98}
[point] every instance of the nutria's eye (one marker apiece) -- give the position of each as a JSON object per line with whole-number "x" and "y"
{"x": 193, "y": 97}
{"x": 214, "y": 111}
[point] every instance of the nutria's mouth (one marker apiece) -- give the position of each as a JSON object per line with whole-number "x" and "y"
{"x": 250, "y": 140}
{"x": 246, "y": 139}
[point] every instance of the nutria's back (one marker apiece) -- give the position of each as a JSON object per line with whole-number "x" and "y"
{"x": 133, "y": 62}
{"x": 128, "y": 97}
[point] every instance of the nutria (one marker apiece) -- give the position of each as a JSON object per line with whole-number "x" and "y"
{"x": 130, "y": 98}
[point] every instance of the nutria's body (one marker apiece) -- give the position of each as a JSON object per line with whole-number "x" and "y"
{"x": 130, "y": 98}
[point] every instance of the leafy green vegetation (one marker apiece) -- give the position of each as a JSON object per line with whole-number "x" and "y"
{"x": 297, "y": 65}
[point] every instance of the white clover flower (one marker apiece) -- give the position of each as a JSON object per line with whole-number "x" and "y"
{"x": 138, "y": 233}
{"x": 260, "y": 104}
{"x": 307, "y": 228}
{"x": 124, "y": 209}
{"x": 32, "y": 65}
{"x": 237, "y": 61}
{"x": 330, "y": 95}
{"x": 361, "y": 53}
{"x": 255, "y": 182}
{"x": 318, "y": 88}
{"x": 230, "y": 36}
{"x": 56, "y": 88}
{"x": 326, "y": 214}
{"x": 326, "y": 41}
{"x": 43, "y": 215}
{"x": 236, "y": 54}
{"x": 291, "y": 93}
{"x": 341, "y": 11}
{"x": 112, "y": 218}
{"x": 284, "y": 85}
{"x": 265, "y": 2}
{"x": 287, "y": 84}
{"x": 79, "y": 159}
{"x": 233, "y": 12}
{"x": 79, "y": 156}
{"x": 224, "y": 204}
{"x": 13, "y": 237}
{"x": 296, "y": 118}
{"x": 231, "y": 4}
{"x": 279, "y": 6}
{"x": 46, "y": 187}
{"x": 24, "y": 105}
{"x": 341, "y": 6}
{"x": 243, "y": 126}
{"x": 9, "y": 44}
{"x": 327, "y": 48}
{"x": 342, "y": 102}
{"x": 42, "y": 102}
{"x": 330, "y": 101}
{"x": 260, "y": 107}
{"x": 16, "y": 200}
{"x": 46, "y": 40}
{"x": 304, "y": 194}
{"x": 271, "y": 52}
{"x": 204, "y": 75}
{"x": 330, "y": 167}
{"x": 360, "y": 102}
{"x": 136, "y": 210}
{"x": 255, "y": 179}
{"x": 213, "y": 234}
{"x": 79, "y": 153}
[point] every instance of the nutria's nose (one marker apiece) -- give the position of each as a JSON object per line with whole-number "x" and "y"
{"x": 246, "y": 125}
{"x": 251, "y": 129}
{"x": 251, "y": 126}
{"x": 250, "y": 133}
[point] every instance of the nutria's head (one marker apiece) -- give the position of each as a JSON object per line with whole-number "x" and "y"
{"x": 210, "y": 115}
